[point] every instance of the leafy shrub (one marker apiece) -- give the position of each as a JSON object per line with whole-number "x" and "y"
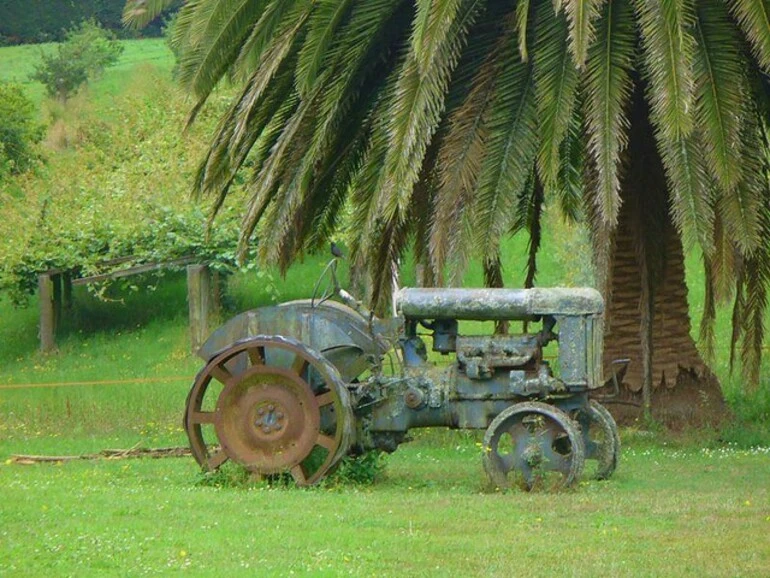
{"x": 84, "y": 55}
{"x": 19, "y": 130}
{"x": 120, "y": 190}
{"x": 362, "y": 470}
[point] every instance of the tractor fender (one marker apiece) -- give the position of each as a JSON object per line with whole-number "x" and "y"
{"x": 333, "y": 329}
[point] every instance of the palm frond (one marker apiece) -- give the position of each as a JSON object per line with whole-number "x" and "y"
{"x": 332, "y": 187}
{"x": 384, "y": 257}
{"x": 432, "y": 23}
{"x": 460, "y": 160}
{"x": 139, "y": 13}
{"x": 720, "y": 91}
{"x": 366, "y": 218}
{"x": 692, "y": 192}
{"x": 570, "y": 189}
{"x": 322, "y": 26}
{"x": 668, "y": 53}
{"x": 756, "y": 281}
{"x": 556, "y": 85}
{"x": 355, "y": 60}
{"x": 264, "y": 119}
{"x": 534, "y": 226}
{"x": 741, "y": 207}
{"x": 607, "y": 88}
{"x": 706, "y": 336}
{"x": 423, "y": 201}
{"x": 754, "y": 18}
{"x": 725, "y": 262}
{"x": 271, "y": 17}
{"x": 737, "y": 318}
{"x": 268, "y": 181}
{"x": 511, "y": 151}
{"x": 415, "y": 113}
{"x": 282, "y": 225}
{"x": 523, "y": 26}
{"x": 221, "y": 33}
{"x": 581, "y": 15}
{"x": 319, "y": 170}
{"x": 246, "y": 119}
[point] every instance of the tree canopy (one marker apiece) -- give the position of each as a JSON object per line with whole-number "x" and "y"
{"x": 443, "y": 124}
{"x": 87, "y": 50}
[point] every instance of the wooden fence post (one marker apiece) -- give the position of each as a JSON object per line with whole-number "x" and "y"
{"x": 198, "y": 299}
{"x": 66, "y": 280}
{"x": 45, "y": 290}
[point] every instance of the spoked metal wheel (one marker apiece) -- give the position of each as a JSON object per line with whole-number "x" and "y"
{"x": 533, "y": 445}
{"x": 272, "y": 405}
{"x": 601, "y": 440}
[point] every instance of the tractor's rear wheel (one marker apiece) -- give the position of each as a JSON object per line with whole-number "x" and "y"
{"x": 272, "y": 405}
{"x": 601, "y": 439}
{"x": 533, "y": 445}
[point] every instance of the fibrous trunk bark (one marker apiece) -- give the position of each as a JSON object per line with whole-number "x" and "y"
{"x": 683, "y": 389}
{"x": 647, "y": 315}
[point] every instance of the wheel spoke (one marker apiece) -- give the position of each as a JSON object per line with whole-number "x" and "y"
{"x": 257, "y": 355}
{"x": 506, "y": 461}
{"x": 326, "y": 442}
{"x": 221, "y": 373}
{"x": 557, "y": 462}
{"x": 300, "y": 365}
{"x": 299, "y": 475}
{"x": 216, "y": 460}
{"x": 547, "y": 435}
{"x": 202, "y": 417}
{"x": 324, "y": 399}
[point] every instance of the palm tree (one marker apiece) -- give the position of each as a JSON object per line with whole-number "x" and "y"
{"x": 441, "y": 126}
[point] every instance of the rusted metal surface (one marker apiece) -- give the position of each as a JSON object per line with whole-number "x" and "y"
{"x": 308, "y": 381}
{"x": 284, "y": 408}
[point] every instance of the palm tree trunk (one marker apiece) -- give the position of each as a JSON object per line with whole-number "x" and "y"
{"x": 681, "y": 386}
{"x": 647, "y": 317}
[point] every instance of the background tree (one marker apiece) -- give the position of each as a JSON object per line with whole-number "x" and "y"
{"x": 19, "y": 130}
{"x": 84, "y": 54}
{"x": 446, "y": 124}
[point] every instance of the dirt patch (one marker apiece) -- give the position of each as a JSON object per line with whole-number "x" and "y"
{"x": 694, "y": 401}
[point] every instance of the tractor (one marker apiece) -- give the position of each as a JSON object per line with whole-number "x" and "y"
{"x": 295, "y": 388}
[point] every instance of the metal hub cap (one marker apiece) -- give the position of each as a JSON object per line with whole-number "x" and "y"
{"x": 268, "y": 420}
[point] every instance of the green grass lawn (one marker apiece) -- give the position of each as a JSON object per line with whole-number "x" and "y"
{"x": 685, "y": 511}
{"x": 18, "y": 62}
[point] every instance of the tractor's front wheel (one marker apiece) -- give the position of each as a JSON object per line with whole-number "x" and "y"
{"x": 535, "y": 446}
{"x": 272, "y": 405}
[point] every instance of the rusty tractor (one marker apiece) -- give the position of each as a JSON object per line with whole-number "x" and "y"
{"x": 296, "y": 387}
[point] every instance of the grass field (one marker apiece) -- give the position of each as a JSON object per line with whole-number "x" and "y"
{"x": 693, "y": 505}
{"x": 18, "y": 62}
{"x": 683, "y": 511}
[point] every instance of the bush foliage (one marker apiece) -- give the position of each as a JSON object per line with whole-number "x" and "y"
{"x": 119, "y": 189}
{"x": 19, "y": 130}
{"x": 85, "y": 53}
